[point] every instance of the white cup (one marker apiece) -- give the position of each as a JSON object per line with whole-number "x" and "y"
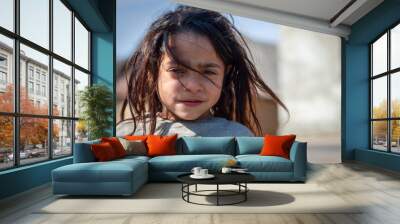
{"x": 226, "y": 170}
{"x": 196, "y": 170}
{"x": 203, "y": 172}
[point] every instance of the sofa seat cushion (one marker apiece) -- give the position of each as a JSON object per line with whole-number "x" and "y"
{"x": 133, "y": 158}
{"x": 257, "y": 163}
{"x": 185, "y": 163}
{"x": 112, "y": 171}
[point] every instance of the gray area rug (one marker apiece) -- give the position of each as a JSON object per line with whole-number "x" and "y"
{"x": 166, "y": 198}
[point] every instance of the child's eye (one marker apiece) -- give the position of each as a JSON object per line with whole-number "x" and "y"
{"x": 209, "y": 73}
{"x": 176, "y": 70}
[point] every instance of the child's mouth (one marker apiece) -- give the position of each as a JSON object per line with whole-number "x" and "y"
{"x": 191, "y": 103}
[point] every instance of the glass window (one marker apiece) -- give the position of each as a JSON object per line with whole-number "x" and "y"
{"x": 379, "y": 97}
{"x": 81, "y": 81}
{"x": 388, "y": 81}
{"x": 395, "y": 47}
{"x": 395, "y": 95}
{"x": 395, "y": 136}
{"x": 81, "y": 131}
{"x": 30, "y": 87}
{"x": 37, "y": 74}
{"x": 34, "y": 21}
{"x": 7, "y": 14}
{"x": 3, "y": 60}
{"x": 6, "y": 73}
{"x": 37, "y": 89}
{"x": 379, "y": 135}
{"x": 62, "y": 137}
{"x": 40, "y": 61}
{"x": 34, "y": 80}
{"x": 62, "y": 74}
{"x": 43, "y": 90}
{"x": 30, "y": 71}
{"x": 379, "y": 56}
{"x": 33, "y": 140}
{"x": 3, "y": 78}
{"x": 62, "y": 29}
{"x": 81, "y": 45}
{"x": 6, "y": 142}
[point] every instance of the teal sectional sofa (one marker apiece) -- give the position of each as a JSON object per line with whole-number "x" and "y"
{"x": 125, "y": 176}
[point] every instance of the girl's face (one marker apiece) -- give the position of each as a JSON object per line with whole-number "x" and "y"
{"x": 189, "y": 94}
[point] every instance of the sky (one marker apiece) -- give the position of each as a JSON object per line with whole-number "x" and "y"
{"x": 35, "y": 27}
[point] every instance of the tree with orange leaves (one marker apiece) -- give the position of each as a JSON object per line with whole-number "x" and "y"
{"x": 33, "y": 130}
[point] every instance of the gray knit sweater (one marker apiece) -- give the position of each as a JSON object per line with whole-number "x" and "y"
{"x": 207, "y": 127}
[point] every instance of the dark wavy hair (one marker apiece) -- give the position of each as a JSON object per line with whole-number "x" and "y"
{"x": 241, "y": 79}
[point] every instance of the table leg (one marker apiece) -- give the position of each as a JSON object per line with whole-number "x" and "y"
{"x": 245, "y": 193}
{"x": 217, "y": 194}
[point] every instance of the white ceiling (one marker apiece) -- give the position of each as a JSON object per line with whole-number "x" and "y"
{"x": 320, "y": 9}
{"x": 314, "y": 15}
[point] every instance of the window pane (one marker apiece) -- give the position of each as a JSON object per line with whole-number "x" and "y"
{"x": 379, "y": 55}
{"x": 395, "y": 136}
{"x": 395, "y": 94}
{"x": 62, "y": 89}
{"x": 81, "y": 81}
{"x": 6, "y": 74}
{"x": 379, "y": 97}
{"x": 395, "y": 47}
{"x": 81, "y": 45}
{"x": 62, "y": 29}
{"x": 62, "y": 138}
{"x": 6, "y": 142}
{"x": 379, "y": 135}
{"x": 34, "y": 79}
{"x": 33, "y": 139}
{"x": 81, "y": 131}
{"x": 7, "y": 14}
{"x": 35, "y": 21}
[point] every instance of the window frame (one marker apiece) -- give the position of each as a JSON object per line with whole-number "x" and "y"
{"x": 16, "y": 114}
{"x": 388, "y": 74}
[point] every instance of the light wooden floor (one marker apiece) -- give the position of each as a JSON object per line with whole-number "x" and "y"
{"x": 378, "y": 188}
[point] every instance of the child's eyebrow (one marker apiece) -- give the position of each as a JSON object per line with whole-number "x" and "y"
{"x": 210, "y": 64}
{"x": 204, "y": 65}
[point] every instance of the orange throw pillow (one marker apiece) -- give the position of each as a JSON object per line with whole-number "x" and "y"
{"x": 116, "y": 145}
{"x": 103, "y": 151}
{"x": 277, "y": 145}
{"x": 136, "y": 137}
{"x": 161, "y": 145}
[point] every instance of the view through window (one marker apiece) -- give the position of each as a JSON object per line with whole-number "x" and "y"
{"x": 44, "y": 64}
{"x": 385, "y": 87}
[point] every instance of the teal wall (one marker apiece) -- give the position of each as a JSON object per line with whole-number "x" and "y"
{"x": 99, "y": 16}
{"x": 103, "y": 64}
{"x": 24, "y": 178}
{"x": 355, "y": 84}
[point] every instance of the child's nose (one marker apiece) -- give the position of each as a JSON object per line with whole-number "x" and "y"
{"x": 192, "y": 82}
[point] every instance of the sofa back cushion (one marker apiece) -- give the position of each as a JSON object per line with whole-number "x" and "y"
{"x": 83, "y": 152}
{"x": 249, "y": 145}
{"x": 206, "y": 145}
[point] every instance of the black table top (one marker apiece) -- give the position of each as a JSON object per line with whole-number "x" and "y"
{"x": 220, "y": 178}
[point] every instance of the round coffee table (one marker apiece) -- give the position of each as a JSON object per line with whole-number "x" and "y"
{"x": 238, "y": 179}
